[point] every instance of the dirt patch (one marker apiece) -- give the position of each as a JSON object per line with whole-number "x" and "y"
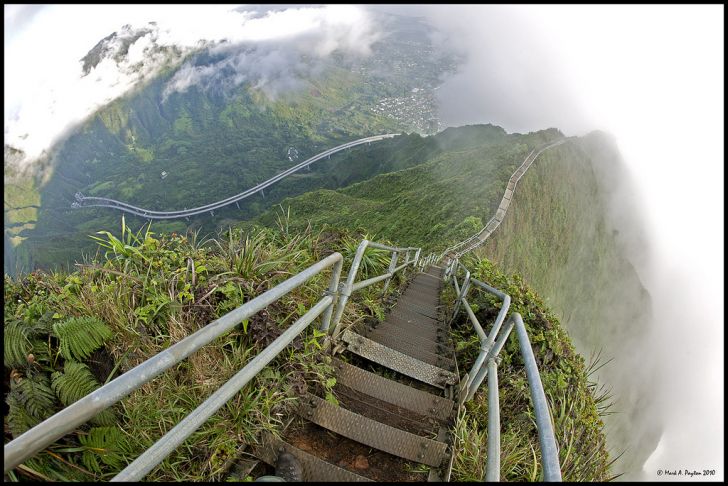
{"x": 351, "y": 455}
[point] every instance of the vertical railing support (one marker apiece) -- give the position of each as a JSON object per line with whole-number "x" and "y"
{"x": 492, "y": 471}
{"x": 546, "y": 438}
{"x": 333, "y": 291}
{"x": 345, "y": 289}
{"x": 392, "y": 266}
{"x": 480, "y": 376}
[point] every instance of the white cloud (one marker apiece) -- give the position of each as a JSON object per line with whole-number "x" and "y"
{"x": 654, "y": 77}
{"x": 45, "y": 93}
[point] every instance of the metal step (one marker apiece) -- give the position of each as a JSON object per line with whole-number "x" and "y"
{"x": 412, "y": 327}
{"x": 391, "y": 391}
{"x": 429, "y": 345}
{"x": 413, "y": 350}
{"x": 423, "y": 287}
{"x": 411, "y": 315}
{"x": 314, "y": 469}
{"x": 427, "y": 311}
{"x": 420, "y": 299}
{"x": 372, "y": 433}
{"x": 397, "y": 361}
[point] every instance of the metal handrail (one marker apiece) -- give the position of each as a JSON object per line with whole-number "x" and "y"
{"x": 486, "y": 364}
{"x": 350, "y": 285}
{"x": 459, "y": 249}
{"x": 63, "y": 422}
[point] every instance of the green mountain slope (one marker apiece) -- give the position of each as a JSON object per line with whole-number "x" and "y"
{"x": 456, "y": 186}
{"x": 559, "y": 234}
{"x": 167, "y": 151}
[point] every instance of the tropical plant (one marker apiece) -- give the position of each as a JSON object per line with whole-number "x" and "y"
{"x": 81, "y": 336}
{"x": 75, "y": 382}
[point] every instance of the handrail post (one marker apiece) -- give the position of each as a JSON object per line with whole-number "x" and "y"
{"x": 346, "y": 288}
{"x": 417, "y": 256}
{"x": 333, "y": 291}
{"x": 463, "y": 292}
{"x": 549, "y": 451}
{"x": 392, "y": 266}
{"x": 492, "y": 471}
{"x": 480, "y": 376}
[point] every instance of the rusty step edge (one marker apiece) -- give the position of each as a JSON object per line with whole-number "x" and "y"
{"x": 391, "y": 391}
{"x": 414, "y": 351}
{"x": 403, "y": 344}
{"x": 399, "y": 362}
{"x": 372, "y": 433}
{"x": 314, "y": 468}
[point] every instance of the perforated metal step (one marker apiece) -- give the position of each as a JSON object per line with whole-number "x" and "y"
{"x": 397, "y": 361}
{"x": 372, "y": 433}
{"x": 314, "y": 469}
{"x": 413, "y": 350}
{"x": 412, "y": 325}
{"x": 392, "y": 392}
{"x": 406, "y": 314}
{"x": 429, "y": 345}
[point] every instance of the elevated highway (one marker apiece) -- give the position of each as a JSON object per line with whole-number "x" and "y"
{"x": 103, "y": 202}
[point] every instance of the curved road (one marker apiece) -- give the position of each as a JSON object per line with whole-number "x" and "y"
{"x": 88, "y": 201}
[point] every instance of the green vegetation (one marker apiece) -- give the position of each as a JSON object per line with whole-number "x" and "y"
{"x": 457, "y": 184}
{"x": 212, "y": 142}
{"x": 65, "y": 334}
{"x": 576, "y": 402}
{"x": 560, "y": 234}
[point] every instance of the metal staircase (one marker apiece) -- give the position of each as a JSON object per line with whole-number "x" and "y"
{"x": 397, "y": 380}
{"x": 400, "y": 410}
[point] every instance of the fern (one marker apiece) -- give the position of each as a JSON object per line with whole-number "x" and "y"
{"x": 16, "y": 344}
{"x": 107, "y": 444}
{"x": 35, "y": 395}
{"x": 81, "y": 336}
{"x": 19, "y": 420}
{"x": 76, "y": 382}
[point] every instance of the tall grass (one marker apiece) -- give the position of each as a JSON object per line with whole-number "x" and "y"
{"x": 151, "y": 291}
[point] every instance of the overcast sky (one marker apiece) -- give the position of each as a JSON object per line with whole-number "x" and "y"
{"x": 651, "y": 75}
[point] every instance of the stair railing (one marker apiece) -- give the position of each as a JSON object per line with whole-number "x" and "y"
{"x": 474, "y": 241}
{"x": 36, "y": 439}
{"x": 486, "y": 365}
{"x": 350, "y": 285}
